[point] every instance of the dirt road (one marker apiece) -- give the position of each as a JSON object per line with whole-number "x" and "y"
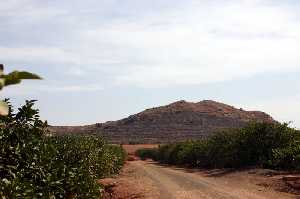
{"x": 168, "y": 183}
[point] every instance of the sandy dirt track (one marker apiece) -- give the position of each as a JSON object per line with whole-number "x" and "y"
{"x": 161, "y": 182}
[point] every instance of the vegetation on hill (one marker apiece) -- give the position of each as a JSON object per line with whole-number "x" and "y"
{"x": 36, "y": 165}
{"x": 267, "y": 145}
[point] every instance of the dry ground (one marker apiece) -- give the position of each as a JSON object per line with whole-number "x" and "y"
{"x": 150, "y": 180}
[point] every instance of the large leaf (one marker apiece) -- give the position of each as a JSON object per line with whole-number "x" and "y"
{"x": 11, "y": 78}
{"x": 16, "y": 77}
{"x": 27, "y": 75}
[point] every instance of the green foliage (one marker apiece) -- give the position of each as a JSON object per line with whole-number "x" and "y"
{"x": 33, "y": 165}
{"x": 146, "y": 154}
{"x": 14, "y": 77}
{"x": 259, "y": 144}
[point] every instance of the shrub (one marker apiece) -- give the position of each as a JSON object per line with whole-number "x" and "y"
{"x": 258, "y": 144}
{"x": 33, "y": 165}
{"x": 286, "y": 158}
{"x": 147, "y": 154}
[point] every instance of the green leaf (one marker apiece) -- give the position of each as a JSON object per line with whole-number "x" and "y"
{"x": 11, "y": 78}
{"x": 15, "y": 77}
{"x": 27, "y": 75}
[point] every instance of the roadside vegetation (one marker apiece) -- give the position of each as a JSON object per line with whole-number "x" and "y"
{"x": 35, "y": 164}
{"x": 264, "y": 145}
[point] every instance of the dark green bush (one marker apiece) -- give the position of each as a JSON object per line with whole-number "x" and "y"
{"x": 81, "y": 160}
{"x": 286, "y": 158}
{"x": 33, "y": 165}
{"x": 259, "y": 144}
{"x": 147, "y": 154}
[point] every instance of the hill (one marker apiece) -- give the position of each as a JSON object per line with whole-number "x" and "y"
{"x": 174, "y": 122}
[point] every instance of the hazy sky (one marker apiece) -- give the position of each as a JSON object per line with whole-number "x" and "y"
{"x": 106, "y": 59}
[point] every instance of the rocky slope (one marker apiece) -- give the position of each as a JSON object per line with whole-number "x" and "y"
{"x": 175, "y": 122}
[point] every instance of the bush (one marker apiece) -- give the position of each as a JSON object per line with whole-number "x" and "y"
{"x": 286, "y": 158}
{"x": 147, "y": 154}
{"x": 33, "y": 165}
{"x": 259, "y": 144}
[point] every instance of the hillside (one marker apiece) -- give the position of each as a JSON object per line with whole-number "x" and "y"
{"x": 174, "y": 122}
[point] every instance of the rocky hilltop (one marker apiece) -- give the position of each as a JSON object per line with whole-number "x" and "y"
{"x": 174, "y": 122}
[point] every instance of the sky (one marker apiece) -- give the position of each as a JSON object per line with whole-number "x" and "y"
{"x": 103, "y": 60}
